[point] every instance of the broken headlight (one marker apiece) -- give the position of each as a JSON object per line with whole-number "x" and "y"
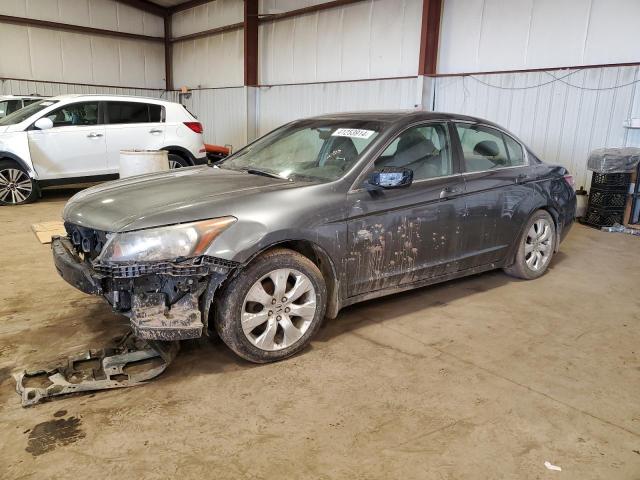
{"x": 164, "y": 243}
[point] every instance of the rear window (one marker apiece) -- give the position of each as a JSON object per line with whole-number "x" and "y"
{"x": 133, "y": 112}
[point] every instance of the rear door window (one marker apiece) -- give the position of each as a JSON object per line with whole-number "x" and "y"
{"x": 133, "y": 112}
{"x": 485, "y": 148}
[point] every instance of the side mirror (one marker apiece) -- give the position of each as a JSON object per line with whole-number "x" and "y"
{"x": 43, "y": 123}
{"x": 391, "y": 177}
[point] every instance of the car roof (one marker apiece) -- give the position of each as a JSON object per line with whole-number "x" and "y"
{"x": 13, "y": 97}
{"x": 103, "y": 96}
{"x": 400, "y": 116}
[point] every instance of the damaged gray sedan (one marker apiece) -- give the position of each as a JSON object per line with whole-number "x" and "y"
{"x": 316, "y": 215}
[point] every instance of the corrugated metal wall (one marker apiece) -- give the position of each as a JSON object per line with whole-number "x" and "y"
{"x": 223, "y": 113}
{"x": 281, "y": 104}
{"x": 371, "y": 39}
{"x": 486, "y": 35}
{"x": 213, "y": 61}
{"x": 27, "y": 87}
{"x": 56, "y": 56}
{"x": 561, "y": 120}
{"x": 205, "y": 17}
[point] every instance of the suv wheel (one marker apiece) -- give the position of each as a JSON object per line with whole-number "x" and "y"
{"x": 16, "y": 187}
{"x": 176, "y": 161}
{"x": 270, "y": 310}
{"x": 535, "y": 247}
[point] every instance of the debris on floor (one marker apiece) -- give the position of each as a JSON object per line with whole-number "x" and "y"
{"x": 550, "y": 466}
{"x": 46, "y": 230}
{"x": 131, "y": 362}
{"x": 617, "y": 228}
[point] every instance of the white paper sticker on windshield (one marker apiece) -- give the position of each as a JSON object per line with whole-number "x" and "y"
{"x": 47, "y": 104}
{"x": 352, "y": 133}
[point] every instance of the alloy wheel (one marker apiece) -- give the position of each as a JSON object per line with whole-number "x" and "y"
{"x": 539, "y": 244}
{"x": 278, "y": 309}
{"x": 15, "y": 186}
{"x": 173, "y": 164}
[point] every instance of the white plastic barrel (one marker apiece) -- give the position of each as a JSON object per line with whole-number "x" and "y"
{"x": 139, "y": 162}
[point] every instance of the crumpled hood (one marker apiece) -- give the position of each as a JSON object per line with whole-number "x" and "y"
{"x": 166, "y": 198}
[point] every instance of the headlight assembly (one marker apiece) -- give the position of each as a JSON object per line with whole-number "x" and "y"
{"x": 164, "y": 243}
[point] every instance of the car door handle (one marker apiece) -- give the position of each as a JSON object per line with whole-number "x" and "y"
{"x": 94, "y": 135}
{"x": 447, "y": 192}
{"x": 155, "y": 131}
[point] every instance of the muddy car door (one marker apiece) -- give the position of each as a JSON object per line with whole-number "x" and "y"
{"x": 496, "y": 174}
{"x": 402, "y": 235}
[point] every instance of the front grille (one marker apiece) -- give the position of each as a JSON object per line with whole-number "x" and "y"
{"x": 86, "y": 241}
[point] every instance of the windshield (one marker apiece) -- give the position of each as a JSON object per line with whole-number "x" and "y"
{"x": 319, "y": 150}
{"x": 24, "y": 113}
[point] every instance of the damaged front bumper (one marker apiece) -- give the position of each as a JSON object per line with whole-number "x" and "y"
{"x": 164, "y": 300}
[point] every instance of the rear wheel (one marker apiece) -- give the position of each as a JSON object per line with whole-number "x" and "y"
{"x": 535, "y": 247}
{"x": 176, "y": 161}
{"x": 270, "y": 310}
{"x": 16, "y": 187}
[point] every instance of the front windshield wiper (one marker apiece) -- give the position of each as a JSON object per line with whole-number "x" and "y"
{"x": 264, "y": 173}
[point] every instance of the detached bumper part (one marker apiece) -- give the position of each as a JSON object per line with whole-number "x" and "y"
{"x": 151, "y": 319}
{"x": 132, "y": 362}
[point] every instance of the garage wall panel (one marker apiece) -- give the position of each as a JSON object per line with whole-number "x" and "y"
{"x": 28, "y": 87}
{"x": 281, "y": 104}
{"x": 222, "y": 113}
{"x": 51, "y": 55}
{"x": 56, "y": 56}
{"x": 540, "y": 33}
{"x": 371, "y": 39}
{"x": 205, "y": 17}
{"x": 561, "y": 120}
{"x": 266, "y": 7}
{"x": 107, "y": 14}
{"x": 213, "y": 61}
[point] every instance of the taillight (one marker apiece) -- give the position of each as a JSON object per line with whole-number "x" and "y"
{"x": 569, "y": 179}
{"x": 195, "y": 126}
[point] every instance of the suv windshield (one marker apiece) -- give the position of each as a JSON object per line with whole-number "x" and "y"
{"x": 315, "y": 149}
{"x": 24, "y": 113}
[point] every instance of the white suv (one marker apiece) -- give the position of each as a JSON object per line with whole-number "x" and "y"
{"x": 12, "y": 103}
{"x": 78, "y": 138}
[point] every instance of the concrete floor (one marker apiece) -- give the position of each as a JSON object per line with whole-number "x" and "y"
{"x": 485, "y": 377}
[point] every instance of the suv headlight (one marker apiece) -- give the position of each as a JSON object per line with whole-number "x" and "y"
{"x": 164, "y": 243}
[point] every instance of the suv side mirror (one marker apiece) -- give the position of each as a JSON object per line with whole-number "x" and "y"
{"x": 391, "y": 177}
{"x": 43, "y": 123}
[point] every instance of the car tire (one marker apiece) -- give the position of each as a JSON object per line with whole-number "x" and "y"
{"x": 176, "y": 161}
{"x": 535, "y": 247}
{"x": 260, "y": 327}
{"x": 16, "y": 186}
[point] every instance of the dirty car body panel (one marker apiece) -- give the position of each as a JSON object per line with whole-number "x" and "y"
{"x": 367, "y": 241}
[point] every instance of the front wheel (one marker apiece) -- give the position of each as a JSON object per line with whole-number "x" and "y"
{"x": 535, "y": 247}
{"x": 270, "y": 310}
{"x": 16, "y": 187}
